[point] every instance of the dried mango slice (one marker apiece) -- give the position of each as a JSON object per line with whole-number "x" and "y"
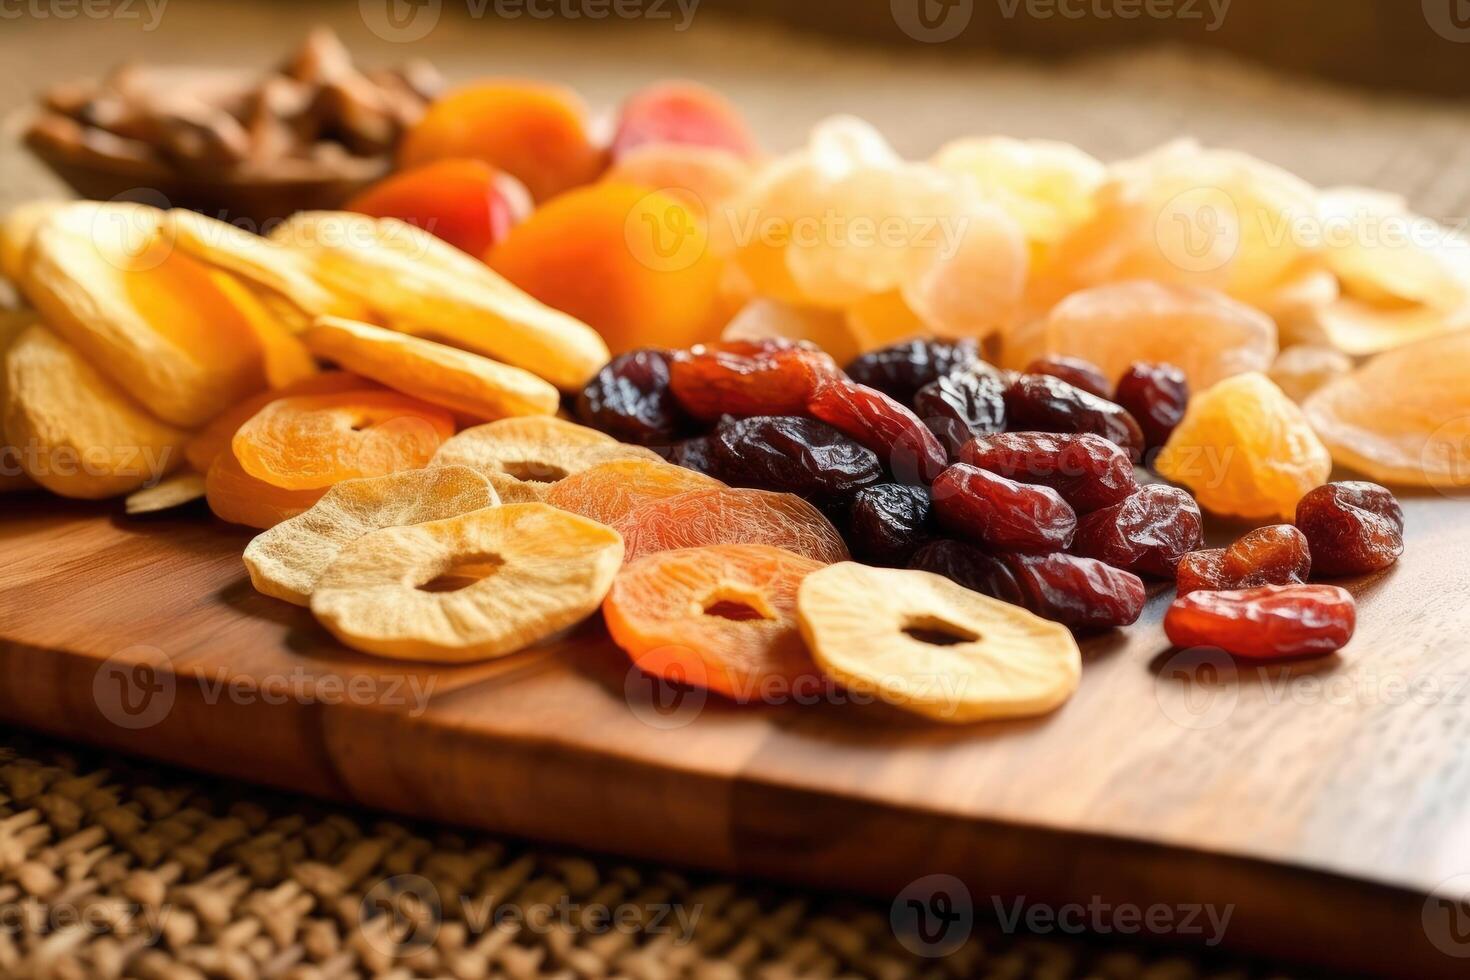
{"x": 1404, "y": 417}
{"x": 284, "y": 358}
{"x": 467, "y": 383}
{"x": 308, "y": 442}
{"x": 720, "y": 617}
{"x": 239, "y": 498}
{"x": 608, "y": 491}
{"x": 215, "y": 438}
{"x": 176, "y": 491}
{"x": 147, "y": 315}
{"x": 17, "y": 230}
{"x": 287, "y": 560}
{"x": 76, "y": 434}
{"x": 932, "y": 647}
{"x": 480, "y": 585}
{"x": 1246, "y": 450}
{"x": 523, "y": 457}
{"x": 731, "y": 516}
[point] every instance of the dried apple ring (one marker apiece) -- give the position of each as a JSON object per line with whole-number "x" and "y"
{"x": 458, "y": 380}
{"x": 471, "y": 587}
{"x": 287, "y": 560}
{"x": 239, "y": 498}
{"x": 309, "y": 442}
{"x": 930, "y": 646}
{"x": 608, "y": 491}
{"x": 726, "y": 515}
{"x": 215, "y": 438}
{"x": 721, "y": 617}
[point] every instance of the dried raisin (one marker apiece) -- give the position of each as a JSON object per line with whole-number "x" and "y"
{"x": 629, "y": 399}
{"x": 1203, "y": 569}
{"x": 1042, "y": 403}
{"x": 1156, "y": 395}
{"x": 1002, "y": 513}
{"x": 1073, "y": 370}
{"x": 971, "y": 566}
{"x": 1087, "y": 470}
{"x": 960, "y": 406}
{"x": 745, "y": 378}
{"x": 885, "y": 524}
{"x": 1272, "y": 555}
{"x": 1266, "y": 622}
{"x": 901, "y": 370}
{"x": 1353, "y": 528}
{"x": 912, "y": 453}
{"x": 1082, "y": 593}
{"x": 792, "y": 455}
{"x": 1147, "y": 533}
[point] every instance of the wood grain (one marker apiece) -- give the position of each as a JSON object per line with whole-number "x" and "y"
{"x": 1321, "y": 802}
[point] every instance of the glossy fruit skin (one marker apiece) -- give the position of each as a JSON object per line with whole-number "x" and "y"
{"x": 684, "y": 113}
{"x": 1081, "y": 593}
{"x": 1268, "y": 622}
{"x": 629, "y": 399}
{"x": 1073, "y": 370}
{"x": 791, "y": 454}
{"x": 1203, "y": 569}
{"x": 467, "y": 203}
{"x": 1147, "y": 533}
{"x": 1156, "y": 395}
{"x": 971, "y": 566}
{"x": 1000, "y": 513}
{"x": 1353, "y": 527}
{"x": 1089, "y": 472}
{"x": 901, "y": 369}
{"x": 694, "y": 454}
{"x": 1041, "y": 403}
{"x": 960, "y": 406}
{"x": 887, "y": 523}
{"x": 1277, "y": 554}
{"x": 744, "y": 378}
{"x": 911, "y": 452}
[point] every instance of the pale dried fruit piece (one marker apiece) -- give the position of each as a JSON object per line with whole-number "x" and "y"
{"x": 1388, "y": 257}
{"x": 209, "y": 442}
{"x": 933, "y": 647}
{"x": 12, "y": 324}
{"x": 239, "y": 498}
{"x": 968, "y": 278}
{"x": 287, "y": 560}
{"x": 1245, "y": 449}
{"x": 883, "y": 319}
{"x": 284, "y": 359}
{"x": 609, "y": 491}
{"x": 765, "y": 319}
{"x": 480, "y": 585}
{"x": 1204, "y": 333}
{"x": 1302, "y": 369}
{"x": 1360, "y": 328}
{"x": 731, "y": 516}
{"x": 76, "y": 434}
{"x": 472, "y": 385}
{"x": 17, "y": 229}
{"x": 703, "y": 176}
{"x": 174, "y": 491}
{"x": 1404, "y": 417}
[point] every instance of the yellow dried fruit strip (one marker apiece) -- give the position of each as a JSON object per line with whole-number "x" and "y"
{"x": 176, "y": 491}
{"x": 17, "y": 229}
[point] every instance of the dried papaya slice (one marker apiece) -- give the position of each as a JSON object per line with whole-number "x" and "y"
{"x": 480, "y": 585}
{"x": 287, "y": 560}
{"x": 467, "y": 383}
{"x": 721, "y": 617}
{"x": 74, "y": 432}
{"x": 215, "y": 438}
{"x": 308, "y": 442}
{"x": 608, "y": 491}
{"x": 240, "y": 498}
{"x": 731, "y": 516}
{"x": 933, "y": 647}
{"x": 175, "y": 491}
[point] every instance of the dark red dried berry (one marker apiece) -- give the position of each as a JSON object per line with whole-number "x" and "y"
{"x": 629, "y": 399}
{"x": 1082, "y": 593}
{"x": 1002, "y": 513}
{"x": 900, "y": 370}
{"x": 885, "y": 524}
{"x": 694, "y": 454}
{"x": 745, "y": 378}
{"x": 1075, "y": 371}
{"x": 971, "y": 566}
{"x": 791, "y": 454}
{"x": 911, "y": 452}
{"x": 1089, "y": 471}
{"x": 1265, "y": 623}
{"x": 1041, "y": 403}
{"x": 1147, "y": 533}
{"x": 960, "y": 406}
{"x": 1156, "y": 395}
{"x": 1272, "y": 555}
{"x": 1353, "y": 528}
{"x": 1203, "y": 569}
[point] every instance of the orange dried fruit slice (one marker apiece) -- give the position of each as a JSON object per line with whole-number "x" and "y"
{"x": 287, "y": 560}
{"x": 1403, "y": 417}
{"x": 726, "y": 515}
{"x": 480, "y": 585}
{"x": 523, "y": 457}
{"x": 721, "y": 617}
{"x": 175, "y": 491}
{"x": 284, "y": 358}
{"x": 467, "y": 383}
{"x": 608, "y": 491}
{"x": 308, "y": 442}
{"x": 1245, "y": 449}
{"x": 239, "y": 498}
{"x": 930, "y": 646}
{"x": 74, "y": 431}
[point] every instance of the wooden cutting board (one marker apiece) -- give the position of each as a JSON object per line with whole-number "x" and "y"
{"x": 1317, "y": 804}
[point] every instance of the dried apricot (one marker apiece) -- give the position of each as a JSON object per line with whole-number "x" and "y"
{"x": 307, "y": 442}
{"x": 685, "y": 113}
{"x": 215, "y": 438}
{"x": 480, "y": 585}
{"x": 730, "y": 516}
{"x": 468, "y": 203}
{"x": 240, "y": 498}
{"x": 524, "y": 457}
{"x": 608, "y": 491}
{"x": 1268, "y": 622}
{"x": 930, "y": 646}
{"x": 166, "y": 494}
{"x": 721, "y": 617}
{"x": 287, "y": 560}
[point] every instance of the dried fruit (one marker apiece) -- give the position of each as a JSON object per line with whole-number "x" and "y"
{"x": 721, "y": 617}
{"x": 741, "y": 378}
{"x": 685, "y": 113}
{"x": 960, "y": 406}
{"x": 1273, "y": 555}
{"x": 284, "y": 359}
{"x": 971, "y": 566}
{"x": 288, "y": 560}
{"x": 73, "y": 431}
{"x": 17, "y": 229}
{"x": 466, "y": 383}
{"x": 731, "y": 516}
{"x": 629, "y": 399}
{"x": 1087, "y": 470}
{"x": 1156, "y": 395}
{"x": 1245, "y": 449}
{"x": 308, "y": 442}
{"x": 695, "y": 454}
{"x": 885, "y": 524}
{"x": 1041, "y": 403}
{"x": 1147, "y": 533}
{"x": 1353, "y": 528}
{"x": 905, "y": 445}
{"x": 1204, "y": 569}
{"x": 791, "y": 454}
{"x": 215, "y": 438}
{"x": 769, "y": 319}
{"x": 608, "y": 491}
{"x": 468, "y": 203}
{"x": 930, "y": 646}
{"x": 1080, "y": 593}
{"x": 701, "y": 177}
{"x": 1267, "y": 622}
{"x": 901, "y": 369}
{"x": 1302, "y": 369}
{"x": 1002, "y": 513}
{"x": 480, "y": 585}
{"x": 1073, "y": 370}
{"x": 240, "y": 498}
{"x": 167, "y": 494}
